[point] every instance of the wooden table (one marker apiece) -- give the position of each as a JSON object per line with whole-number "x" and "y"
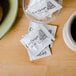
{"x": 14, "y": 59}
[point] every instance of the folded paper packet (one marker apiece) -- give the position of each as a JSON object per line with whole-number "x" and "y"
{"x": 27, "y": 70}
{"x": 41, "y": 9}
{"x": 38, "y": 39}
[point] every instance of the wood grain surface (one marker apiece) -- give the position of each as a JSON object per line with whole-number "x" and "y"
{"x": 12, "y": 53}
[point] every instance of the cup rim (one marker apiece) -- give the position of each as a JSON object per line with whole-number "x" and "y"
{"x": 67, "y": 35}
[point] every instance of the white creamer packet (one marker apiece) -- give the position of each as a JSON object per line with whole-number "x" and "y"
{"x": 41, "y": 9}
{"x": 36, "y": 26}
{"x": 51, "y": 28}
{"x": 44, "y": 53}
{"x": 35, "y": 41}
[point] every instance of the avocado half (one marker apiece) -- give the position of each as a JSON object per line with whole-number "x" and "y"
{"x": 10, "y": 8}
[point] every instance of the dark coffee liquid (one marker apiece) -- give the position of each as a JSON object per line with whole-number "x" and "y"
{"x": 73, "y": 29}
{"x": 5, "y": 5}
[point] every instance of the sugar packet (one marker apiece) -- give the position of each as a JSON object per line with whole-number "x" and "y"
{"x": 44, "y": 53}
{"x": 51, "y": 29}
{"x": 35, "y": 41}
{"x": 41, "y": 9}
{"x": 38, "y": 39}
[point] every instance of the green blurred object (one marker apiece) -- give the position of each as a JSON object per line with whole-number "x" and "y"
{"x": 9, "y": 16}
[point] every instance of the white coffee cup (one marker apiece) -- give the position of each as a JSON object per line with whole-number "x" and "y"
{"x": 70, "y": 42}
